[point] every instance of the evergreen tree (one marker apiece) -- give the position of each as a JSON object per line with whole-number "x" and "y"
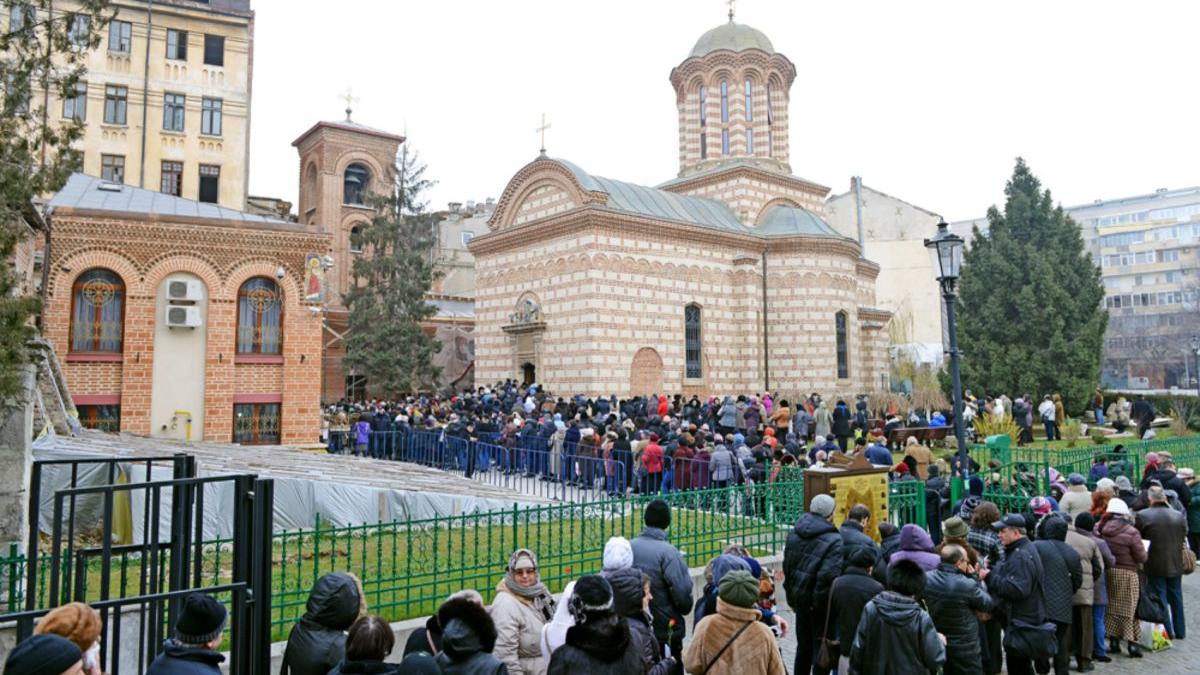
{"x": 44, "y": 53}
{"x": 387, "y": 303}
{"x": 1031, "y": 318}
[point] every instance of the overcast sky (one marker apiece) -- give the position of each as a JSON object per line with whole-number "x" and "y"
{"x": 927, "y": 101}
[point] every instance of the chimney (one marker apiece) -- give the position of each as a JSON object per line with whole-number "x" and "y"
{"x": 454, "y": 206}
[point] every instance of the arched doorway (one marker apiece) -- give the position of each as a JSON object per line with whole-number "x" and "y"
{"x": 646, "y": 373}
{"x": 528, "y": 374}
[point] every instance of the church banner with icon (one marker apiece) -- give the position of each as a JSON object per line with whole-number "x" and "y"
{"x": 859, "y": 483}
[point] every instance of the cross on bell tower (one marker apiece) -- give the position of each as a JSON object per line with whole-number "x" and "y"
{"x": 350, "y": 99}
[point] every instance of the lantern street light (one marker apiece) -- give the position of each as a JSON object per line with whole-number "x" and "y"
{"x": 948, "y": 247}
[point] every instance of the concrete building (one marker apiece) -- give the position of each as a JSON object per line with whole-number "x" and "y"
{"x": 1148, "y": 250}
{"x": 166, "y": 103}
{"x": 458, "y": 226}
{"x": 892, "y": 233}
{"x": 724, "y": 279}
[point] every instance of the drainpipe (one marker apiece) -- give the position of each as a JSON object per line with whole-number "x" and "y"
{"x": 146, "y": 90}
{"x": 766, "y": 341}
{"x": 858, "y": 209}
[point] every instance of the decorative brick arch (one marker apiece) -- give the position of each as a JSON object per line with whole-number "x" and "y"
{"x": 646, "y": 373}
{"x": 191, "y": 263}
{"x": 262, "y": 268}
{"x": 344, "y": 160}
{"x": 537, "y": 174}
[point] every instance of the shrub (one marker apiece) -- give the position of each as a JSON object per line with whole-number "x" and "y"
{"x": 1098, "y": 437}
{"x": 1185, "y": 415}
{"x": 987, "y": 425}
{"x": 1071, "y": 432}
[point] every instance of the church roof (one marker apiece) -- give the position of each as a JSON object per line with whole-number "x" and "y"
{"x": 95, "y": 194}
{"x": 735, "y": 37}
{"x": 787, "y": 221}
{"x": 654, "y": 203}
{"x": 345, "y": 125}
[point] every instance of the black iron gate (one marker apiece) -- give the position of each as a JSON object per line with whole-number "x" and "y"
{"x": 133, "y": 544}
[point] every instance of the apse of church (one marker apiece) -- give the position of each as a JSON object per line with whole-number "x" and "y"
{"x": 723, "y": 279}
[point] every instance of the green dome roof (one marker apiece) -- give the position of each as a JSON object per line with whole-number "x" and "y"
{"x": 735, "y": 37}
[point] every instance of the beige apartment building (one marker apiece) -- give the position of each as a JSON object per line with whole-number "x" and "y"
{"x": 167, "y": 98}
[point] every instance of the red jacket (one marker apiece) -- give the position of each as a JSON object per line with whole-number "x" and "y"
{"x": 684, "y": 468}
{"x": 652, "y": 458}
{"x": 662, "y": 406}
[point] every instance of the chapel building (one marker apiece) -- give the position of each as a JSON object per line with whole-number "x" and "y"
{"x": 724, "y": 279}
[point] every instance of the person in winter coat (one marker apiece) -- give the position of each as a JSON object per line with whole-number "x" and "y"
{"x": 812, "y": 559}
{"x": 917, "y": 546}
{"x": 895, "y": 635}
{"x": 631, "y": 601}
{"x": 1166, "y": 530}
{"x": 841, "y": 424}
{"x": 54, "y": 654}
{"x": 1063, "y": 577}
{"x": 889, "y": 543}
{"x": 955, "y": 599}
{"x": 854, "y": 536}
{"x": 1017, "y": 580}
{"x": 727, "y": 416}
{"x": 317, "y": 642}
{"x": 848, "y": 596}
{"x": 922, "y": 455}
{"x": 193, "y": 649}
{"x": 1166, "y": 476}
{"x": 1120, "y": 620}
{"x": 781, "y": 418}
{"x": 823, "y": 420}
{"x": 670, "y": 581}
{"x": 720, "y": 566}
{"x": 522, "y": 606}
{"x": 600, "y": 640}
{"x": 468, "y": 638}
{"x": 369, "y": 642}
{"x": 753, "y": 415}
{"x": 733, "y": 641}
{"x": 652, "y": 462}
{"x": 1193, "y": 509}
{"x": 428, "y": 639}
{"x": 1082, "y": 624}
{"x": 1085, "y": 524}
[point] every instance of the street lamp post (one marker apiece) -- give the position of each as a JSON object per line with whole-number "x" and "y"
{"x": 1196, "y": 362}
{"x": 949, "y": 250}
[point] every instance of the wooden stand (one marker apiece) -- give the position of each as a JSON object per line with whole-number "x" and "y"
{"x": 859, "y": 483}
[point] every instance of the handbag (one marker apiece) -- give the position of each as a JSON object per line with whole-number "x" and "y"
{"x": 1035, "y": 641}
{"x": 830, "y": 650}
{"x": 1150, "y": 606}
{"x": 1189, "y": 560}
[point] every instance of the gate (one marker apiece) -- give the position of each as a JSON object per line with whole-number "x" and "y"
{"x": 134, "y": 543}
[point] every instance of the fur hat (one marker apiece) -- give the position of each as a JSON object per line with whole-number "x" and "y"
{"x": 75, "y": 621}
{"x": 474, "y": 616}
{"x": 738, "y": 588}
{"x": 658, "y": 514}
{"x": 201, "y": 621}
{"x": 592, "y": 595}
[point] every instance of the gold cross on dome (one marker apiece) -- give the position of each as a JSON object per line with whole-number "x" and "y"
{"x": 542, "y": 130}
{"x": 350, "y": 100}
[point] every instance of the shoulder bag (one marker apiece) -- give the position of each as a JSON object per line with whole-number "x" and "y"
{"x": 721, "y": 653}
{"x": 831, "y": 649}
{"x": 1189, "y": 560}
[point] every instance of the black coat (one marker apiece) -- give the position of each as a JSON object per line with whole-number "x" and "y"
{"x": 1017, "y": 580}
{"x": 468, "y": 638}
{"x": 317, "y": 642}
{"x": 627, "y": 602}
{"x": 887, "y": 547}
{"x": 895, "y": 636}
{"x": 850, "y": 594}
{"x": 812, "y": 559}
{"x": 1170, "y": 481}
{"x": 177, "y": 659}
{"x": 365, "y": 668}
{"x": 1062, "y": 569}
{"x": 601, "y": 647}
{"x": 854, "y": 539}
{"x": 419, "y": 639}
{"x": 841, "y": 421}
{"x": 1166, "y": 529}
{"x": 953, "y": 598}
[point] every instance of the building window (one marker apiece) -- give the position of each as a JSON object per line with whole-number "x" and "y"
{"x": 210, "y": 116}
{"x": 770, "y": 121}
{"x": 177, "y": 44}
{"x": 98, "y": 312}
{"x": 467, "y": 237}
{"x": 81, "y": 26}
{"x": 843, "y": 350}
{"x": 210, "y": 182}
{"x": 120, "y": 37}
{"x": 355, "y": 184}
{"x": 724, "y": 118}
{"x": 100, "y": 417}
{"x": 749, "y": 117}
{"x": 356, "y": 239}
{"x": 691, "y": 338}
{"x": 112, "y": 168}
{"x": 214, "y": 50}
{"x": 256, "y": 423}
{"x": 116, "y": 100}
{"x": 75, "y": 106}
{"x": 174, "y": 111}
{"x": 703, "y": 122}
{"x": 172, "y": 178}
{"x": 260, "y": 317}
{"x": 20, "y": 16}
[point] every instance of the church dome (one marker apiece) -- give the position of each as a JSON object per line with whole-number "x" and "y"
{"x": 735, "y": 37}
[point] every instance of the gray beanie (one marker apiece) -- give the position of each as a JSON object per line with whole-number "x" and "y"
{"x": 822, "y": 505}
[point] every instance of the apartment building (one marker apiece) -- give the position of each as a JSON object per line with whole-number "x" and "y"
{"x": 166, "y": 102}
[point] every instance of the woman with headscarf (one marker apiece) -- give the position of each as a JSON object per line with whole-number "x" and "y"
{"x": 599, "y": 642}
{"x": 522, "y": 606}
{"x": 1116, "y": 528}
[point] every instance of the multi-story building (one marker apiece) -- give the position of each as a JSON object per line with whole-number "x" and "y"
{"x": 1148, "y": 250}
{"x": 166, "y": 101}
{"x": 453, "y": 260}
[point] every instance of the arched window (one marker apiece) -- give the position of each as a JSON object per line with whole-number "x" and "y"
{"x": 770, "y": 120}
{"x": 355, "y": 183}
{"x": 260, "y": 317}
{"x": 703, "y": 122}
{"x": 356, "y": 239}
{"x": 691, "y": 339}
{"x": 98, "y": 312}
{"x": 749, "y": 117}
{"x": 843, "y": 349}
{"x": 724, "y": 117}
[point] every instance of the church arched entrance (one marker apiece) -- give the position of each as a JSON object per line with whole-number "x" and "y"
{"x": 646, "y": 373}
{"x": 528, "y": 374}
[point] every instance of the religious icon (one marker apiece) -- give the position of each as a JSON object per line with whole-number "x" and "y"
{"x": 314, "y": 279}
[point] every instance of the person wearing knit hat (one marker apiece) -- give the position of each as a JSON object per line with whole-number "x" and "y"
{"x": 670, "y": 582}
{"x": 733, "y": 640}
{"x": 813, "y": 556}
{"x": 618, "y": 554}
{"x": 1040, "y": 506}
{"x": 78, "y": 623}
{"x": 658, "y": 514}
{"x": 192, "y": 651}
{"x": 44, "y": 655}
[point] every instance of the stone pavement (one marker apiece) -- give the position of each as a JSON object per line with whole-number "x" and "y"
{"x": 1183, "y": 657}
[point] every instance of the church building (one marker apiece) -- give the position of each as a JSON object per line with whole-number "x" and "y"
{"x": 725, "y": 279}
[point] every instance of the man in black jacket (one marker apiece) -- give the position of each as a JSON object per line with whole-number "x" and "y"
{"x": 889, "y": 543}
{"x": 1170, "y": 480}
{"x": 854, "y": 537}
{"x": 812, "y": 559}
{"x": 1017, "y": 580}
{"x": 1063, "y": 575}
{"x": 849, "y": 594}
{"x": 954, "y": 597}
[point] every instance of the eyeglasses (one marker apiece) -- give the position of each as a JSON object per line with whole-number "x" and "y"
{"x": 526, "y": 570}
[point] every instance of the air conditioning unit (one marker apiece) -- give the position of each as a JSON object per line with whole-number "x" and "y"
{"x": 184, "y": 290}
{"x": 183, "y": 317}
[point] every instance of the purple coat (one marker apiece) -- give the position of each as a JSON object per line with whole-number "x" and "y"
{"x": 917, "y": 546}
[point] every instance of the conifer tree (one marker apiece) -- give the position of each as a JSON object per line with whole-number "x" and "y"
{"x": 1030, "y": 306}
{"x": 45, "y": 52}
{"x": 389, "y": 280}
